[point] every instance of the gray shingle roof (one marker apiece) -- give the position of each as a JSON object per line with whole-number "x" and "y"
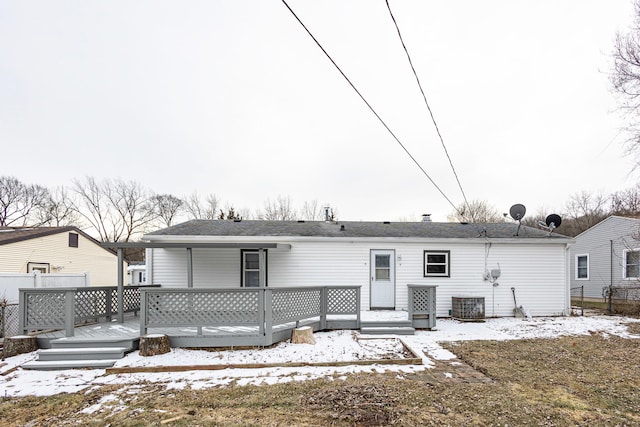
{"x": 250, "y": 228}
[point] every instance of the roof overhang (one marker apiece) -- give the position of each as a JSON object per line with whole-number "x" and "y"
{"x": 197, "y": 245}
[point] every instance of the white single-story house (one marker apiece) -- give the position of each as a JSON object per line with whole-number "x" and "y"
{"x": 137, "y": 274}
{"x": 463, "y": 259}
{"x": 607, "y": 254}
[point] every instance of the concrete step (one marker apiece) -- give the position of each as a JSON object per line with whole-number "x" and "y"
{"x": 128, "y": 343}
{"x": 94, "y": 353}
{"x": 67, "y": 364}
{"x": 385, "y": 330}
{"x": 386, "y": 324}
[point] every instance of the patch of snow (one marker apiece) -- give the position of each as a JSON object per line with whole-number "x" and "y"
{"x": 335, "y": 346}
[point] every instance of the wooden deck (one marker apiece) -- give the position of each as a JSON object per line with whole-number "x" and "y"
{"x": 99, "y": 333}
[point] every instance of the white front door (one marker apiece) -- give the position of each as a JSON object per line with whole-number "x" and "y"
{"x": 383, "y": 279}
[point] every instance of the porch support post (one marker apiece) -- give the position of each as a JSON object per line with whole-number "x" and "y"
{"x": 189, "y": 267}
{"x": 69, "y": 312}
{"x": 120, "y": 286}
{"x": 262, "y": 263}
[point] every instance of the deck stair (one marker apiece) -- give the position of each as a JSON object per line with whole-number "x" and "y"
{"x": 68, "y": 353}
{"x": 387, "y": 327}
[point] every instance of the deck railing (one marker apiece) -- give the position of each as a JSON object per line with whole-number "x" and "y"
{"x": 63, "y": 308}
{"x": 245, "y": 316}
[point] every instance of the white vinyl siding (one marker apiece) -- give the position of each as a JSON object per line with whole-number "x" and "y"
{"x": 606, "y": 243}
{"x": 537, "y": 271}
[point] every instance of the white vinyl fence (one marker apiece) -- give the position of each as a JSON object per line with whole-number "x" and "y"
{"x": 11, "y": 282}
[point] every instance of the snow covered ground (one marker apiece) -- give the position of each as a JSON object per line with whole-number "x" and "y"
{"x": 330, "y": 347}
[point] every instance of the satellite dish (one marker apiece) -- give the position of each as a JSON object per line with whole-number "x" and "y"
{"x": 553, "y": 221}
{"x": 517, "y": 211}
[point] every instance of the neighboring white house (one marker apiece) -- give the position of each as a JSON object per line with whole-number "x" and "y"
{"x": 606, "y": 254}
{"x": 137, "y": 274}
{"x": 62, "y": 250}
{"x": 381, "y": 257}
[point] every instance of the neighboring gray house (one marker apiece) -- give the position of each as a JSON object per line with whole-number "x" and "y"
{"x": 606, "y": 254}
{"x": 381, "y": 257}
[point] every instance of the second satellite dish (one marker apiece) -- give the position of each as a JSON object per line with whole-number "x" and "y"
{"x": 553, "y": 221}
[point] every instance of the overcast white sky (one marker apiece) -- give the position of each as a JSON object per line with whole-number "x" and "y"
{"x": 234, "y": 98}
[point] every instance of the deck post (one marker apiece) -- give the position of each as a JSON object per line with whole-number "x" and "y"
{"x": 267, "y": 309}
{"x": 323, "y": 307}
{"x": 358, "y": 307}
{"x": 69, "y": 312}
{"x": 262, "y": 268}
{"x": 189, "y": 267}
{"x": 410, "y": 308}
{"x": 22, "y": 310}
{"x": 120, "y": 286}
{"x": 143, "y": 312}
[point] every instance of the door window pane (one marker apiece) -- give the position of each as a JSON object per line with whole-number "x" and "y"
{"x": 383, "y": 269}
{"x": 251, "y": 268}
{"x": 252, "y": 279}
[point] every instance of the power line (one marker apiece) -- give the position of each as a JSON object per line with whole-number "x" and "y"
{"x": 369, "y": 105}
{"x": 424, "y": 97}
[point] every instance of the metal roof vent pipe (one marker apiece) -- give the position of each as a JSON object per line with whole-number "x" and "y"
{"x": 426, "y": 217}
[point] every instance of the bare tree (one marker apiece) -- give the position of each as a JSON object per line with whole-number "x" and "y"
{"x": 198, "y": 209}
{"x": 583, "y": 211}
{"x": 313, "y": 211}
{"x": 625, "y": 80}
{"x": 59, "y": 209}
{"x": 477, "y": 211}
{"x": 626, "y": 202}
{"x": 166, "y": 208}
{"x": 279, "y": 209}
{"x": 229, "y": 213}
{"x": 118, "y": 210}
{"x": 21, "y": 204}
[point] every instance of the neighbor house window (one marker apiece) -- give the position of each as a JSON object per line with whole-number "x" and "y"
{"x": 582, "y": 267}
{"x": 632, "y": 264}
{"x": 251, "y": 268}
{"x": 73, "y": 240}
{"x": 436, "y": 263}
{"x": 40, "y": 267}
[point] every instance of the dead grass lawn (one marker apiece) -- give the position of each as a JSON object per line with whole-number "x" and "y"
{"x": 568, "y": 381}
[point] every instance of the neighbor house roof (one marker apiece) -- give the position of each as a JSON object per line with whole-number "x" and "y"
{"x": 19, "y": 234}
{"x": 355, "y": 229}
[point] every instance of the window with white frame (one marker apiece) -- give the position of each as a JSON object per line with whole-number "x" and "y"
{"x": 436, "y": 263}
{"x": 582, "y": 267}
{"x": 251, "y": 268}
{"x": 632, "y": 264}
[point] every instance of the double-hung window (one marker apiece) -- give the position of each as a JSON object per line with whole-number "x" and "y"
{"x": 251, "y": 268}
{"x": 632, "y": 264}
{"x": 436, "y": 264}
{"x": 582, "y": 267}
